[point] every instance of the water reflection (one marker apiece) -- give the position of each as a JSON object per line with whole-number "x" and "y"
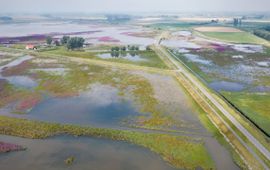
{"x": 101, "y": 106}
{"x": 89, "y": 154}
{"x": 132, "y": 56}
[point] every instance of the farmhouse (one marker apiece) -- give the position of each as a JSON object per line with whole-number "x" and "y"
{"x": 30, "y": 47}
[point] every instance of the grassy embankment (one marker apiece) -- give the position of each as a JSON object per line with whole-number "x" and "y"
{"x": 180, "y": 152}
{"x": 151, "y": 59}
{"x": 234, "y": 37}
{"x": 255, "y": 106}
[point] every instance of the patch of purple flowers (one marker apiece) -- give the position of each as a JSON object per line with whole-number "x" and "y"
{"x": 219, "y": 47}
{"x": 7, "y": 147}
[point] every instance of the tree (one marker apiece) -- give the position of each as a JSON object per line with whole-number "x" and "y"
{"x": 75, "y": 42}
{"x": 237, "y": 22}
{"x": 123, "y": 48}
{"x": 148, "y": 48}
{"x": 57, "y": 43}
{"x": 131, "y": 48}
{"x": 64, "y": 39}
{"x": 49, "y": 40}
{"x": 117, "y": 48}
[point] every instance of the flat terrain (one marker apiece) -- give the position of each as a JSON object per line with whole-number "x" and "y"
{"x": 104, "y": 97}
{"x": 230, "y": 35}
{"x": 143, "y": 95}
{"x": 217, "y": 29}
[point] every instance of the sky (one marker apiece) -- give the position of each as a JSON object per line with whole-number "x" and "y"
{"x": 89, "y": 6}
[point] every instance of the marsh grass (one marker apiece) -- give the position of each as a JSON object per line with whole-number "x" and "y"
{"x": 152, "y": 59}
{"x": 254, "y": 105}
{"x": 181, "y": 152}
{"x": 80, "y": 78}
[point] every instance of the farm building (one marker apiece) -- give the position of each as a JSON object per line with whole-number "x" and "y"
{"x": 30, "y": 47}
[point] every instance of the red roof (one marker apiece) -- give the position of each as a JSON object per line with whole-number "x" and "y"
{"x": 30, "y": 46}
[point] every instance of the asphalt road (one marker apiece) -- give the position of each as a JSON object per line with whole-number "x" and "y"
{"x": 242, "y": 129}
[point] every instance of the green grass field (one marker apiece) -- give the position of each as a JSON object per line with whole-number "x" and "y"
{"x": 235, "y": 37}
{"x": 254, "y": 105}
{"x": 152, "y": 59}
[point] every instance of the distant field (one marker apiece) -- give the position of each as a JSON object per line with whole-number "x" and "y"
{"x": 235, "y": 37}
{"x": 230, "y": 34}
{"x": 217, "y": 29}
{"x": 254, "y": 105}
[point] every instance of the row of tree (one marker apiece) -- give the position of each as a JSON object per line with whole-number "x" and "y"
{"x": 237, "y": 22}
{"x": 262, "y": 33}
{"x": 129, "y": 48}
{"x": 119, "y": 54}
{"x": 70, "y": 42}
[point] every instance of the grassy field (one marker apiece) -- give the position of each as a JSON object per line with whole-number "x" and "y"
{"x": 235, "y": 37}
{"x": 152, "y": 60}
{"x": 181, "y": 152}
{"x": 254, "y": 105}
{"x": 176, "y": 25}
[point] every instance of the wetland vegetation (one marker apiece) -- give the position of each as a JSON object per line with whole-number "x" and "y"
{"x": 179, "y": 151}
{"x": 116, "y": 87}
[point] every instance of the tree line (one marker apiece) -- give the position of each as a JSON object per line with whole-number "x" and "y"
{"x": 263, "y": 33}
{"x": 70, "y": 42}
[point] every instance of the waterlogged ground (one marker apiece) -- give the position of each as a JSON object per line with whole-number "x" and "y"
{"x": 88, "y": 153}
{"x": 77, "y": 93}
{"x": 141, "y": 58}
{"x": 92, "y": 32}
{"x": 56, "y": 85}
{"x": 238, "y": 71}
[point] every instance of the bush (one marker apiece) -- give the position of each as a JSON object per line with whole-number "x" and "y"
{"x": 75, "y": 42}
{"x": 49, "y": 40}
{"x": 263, "y": 34}
{"x": 65, "y": 39}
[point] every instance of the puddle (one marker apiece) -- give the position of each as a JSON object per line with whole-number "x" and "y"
{"x": 220, "y": 155}
{"x": 197, "y": 59}
{"x": 226, "y": 86}
{"x": 183, "y": 50}
{"x": 246, "y": 48}
{"x": 263, "y": 64}
{"x": 16, "y": 62}
{"x": 89, "y": 153}
{"x": 127, "y": 56}
{"x": 180, "y": 44}
{"x": 238, "y": 57}
{"x": 21, "y": 81}
{"x": 100, "y": 107}
{"x": 182, "y": 33}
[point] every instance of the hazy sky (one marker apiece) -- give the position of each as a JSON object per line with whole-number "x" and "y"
{"x": 132, "y": 5}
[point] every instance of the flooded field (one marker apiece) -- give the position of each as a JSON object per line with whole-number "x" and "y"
{"x": 96, "y": 92}
{"x": 88, "y": 153}
{"x": 232, "y": 70}
{"x": 101, "y": 97}
{"x": 93, "y": 33}
{"x": 128, "y": 56}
